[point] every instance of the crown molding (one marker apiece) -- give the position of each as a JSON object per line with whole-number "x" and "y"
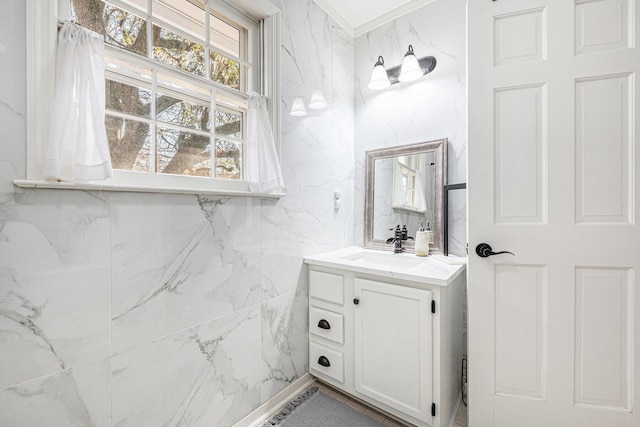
{"x": 374, "y": 23}
{"x": 390, "y": 16}
{"x": 336, "y": 16}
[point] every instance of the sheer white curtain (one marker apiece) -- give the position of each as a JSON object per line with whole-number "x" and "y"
{"x": 78, "y": 149}
{"x": 399, "y": 187}
{"x": 263, "y": 166}
{"x": 421, "y": 201}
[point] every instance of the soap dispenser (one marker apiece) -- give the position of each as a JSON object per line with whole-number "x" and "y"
{"x": 430, "y": 238}
{"x": 422, "y": 241}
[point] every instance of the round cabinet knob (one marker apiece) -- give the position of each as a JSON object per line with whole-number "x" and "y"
{"x": 323, "y": 324}
{"x": 356, "y": 301}
{"x": 323, "y": 361}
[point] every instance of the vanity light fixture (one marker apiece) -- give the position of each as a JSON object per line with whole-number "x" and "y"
{"x": 297, "y": 108}
{"x": 411, "y": 69}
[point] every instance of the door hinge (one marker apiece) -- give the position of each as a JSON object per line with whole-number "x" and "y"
{"x": 433, "y": 409}
{"x": 433, "y": 306}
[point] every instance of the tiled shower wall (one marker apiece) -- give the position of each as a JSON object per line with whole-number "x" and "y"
{"x": 157, "y": 309}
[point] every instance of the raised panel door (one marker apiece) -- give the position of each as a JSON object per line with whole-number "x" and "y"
{"x": 554, "y": 339}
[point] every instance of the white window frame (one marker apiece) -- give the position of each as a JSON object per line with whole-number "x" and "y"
{"x": 412, "y": 172}
{"x": 42, "y": 28}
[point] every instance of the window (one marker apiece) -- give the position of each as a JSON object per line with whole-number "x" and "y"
{"x": 409, "y": 186}
{"x": 177, "y": 77}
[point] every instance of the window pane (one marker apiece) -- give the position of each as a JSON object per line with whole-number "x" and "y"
{"x": 175, "y": 50}
{"x": 225, "y": 71}
{"x": 128, "y": 99}
{"x": 228, "y": 159}
{"x": 182, "y": 14}
{"x": 228, "y": 123}
{"x": 225, "y": 37}
{"x": 183, "y": 153}
{"x": 182, "y": 85}
{"x": 127, "y": 68}
{"x": 129, "y": 144}
{"x": 138, "y": 4}
{"x": 182, "y": 113}
{"x": 119, "y": 28}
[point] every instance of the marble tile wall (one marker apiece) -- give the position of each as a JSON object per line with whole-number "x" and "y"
{"x": 431, "y": 108}
{"x": 155, "y": 309}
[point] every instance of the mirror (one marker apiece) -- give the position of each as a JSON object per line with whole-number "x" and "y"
{"x": 404, "y": 185}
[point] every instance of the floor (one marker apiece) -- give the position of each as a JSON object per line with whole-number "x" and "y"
{"x": 386, "y": 419}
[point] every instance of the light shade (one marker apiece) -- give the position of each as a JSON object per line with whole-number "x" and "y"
{"x": 410, "y": 68}
{"x": 379, "y": 78}
{"x": 297, "y": 108}
{"x": 317, "y": 101}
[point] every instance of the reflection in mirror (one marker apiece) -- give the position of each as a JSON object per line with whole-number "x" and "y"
{"x": 406, "y": 181}
{"x": 404, "y": 187}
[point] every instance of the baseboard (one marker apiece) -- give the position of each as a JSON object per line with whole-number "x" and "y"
{"x": 456, "y": 407}
{"x": 267, "y": 409}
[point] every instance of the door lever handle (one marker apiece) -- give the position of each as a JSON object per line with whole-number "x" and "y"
{"x": 484, "y": 250}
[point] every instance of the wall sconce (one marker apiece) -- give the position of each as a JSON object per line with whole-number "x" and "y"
{"x": 411, "y": 69}
{"x": 317, "y": 102}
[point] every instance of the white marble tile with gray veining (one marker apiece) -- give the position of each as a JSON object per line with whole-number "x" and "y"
{"x": 306, "y": 66}
{"x": 8, "y": 172}
{"x": 44, "y": 230}
{"x": 299, "y": 225}
{"x": 51, "y": 322}
{"x": 179, "y": 261}
{"x": 343, "y": 132}
{"x": 77, "y": 397}
{"x": 317, "y": 150}
{"x": 209, "y": 375}
{"x": 458, "y": 222}
{"x": 284, "y": 340}
{"x": 54, "y": 276}
{"x": 13, "y": 99}
{"x": 306, "y": 47}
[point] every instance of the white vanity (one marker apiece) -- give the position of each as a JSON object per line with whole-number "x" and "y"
{"x": 387, "y": 329}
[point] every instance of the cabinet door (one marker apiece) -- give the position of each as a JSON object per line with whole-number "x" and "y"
{"x": 393, "y": 346}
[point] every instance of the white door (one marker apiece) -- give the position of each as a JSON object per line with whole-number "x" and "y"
{"x": 393, "y": 346}
{"x": 554, "y": 331}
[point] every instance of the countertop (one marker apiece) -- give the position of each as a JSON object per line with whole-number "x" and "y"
{"x": 433, "y": 269}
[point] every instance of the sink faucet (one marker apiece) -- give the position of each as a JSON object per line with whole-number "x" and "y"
{"x": 399, "y": 236}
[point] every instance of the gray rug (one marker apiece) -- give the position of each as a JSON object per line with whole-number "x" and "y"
{"x": 315, "y": 409}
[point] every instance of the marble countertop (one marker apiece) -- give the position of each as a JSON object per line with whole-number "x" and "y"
{"x": 433, "y": 269}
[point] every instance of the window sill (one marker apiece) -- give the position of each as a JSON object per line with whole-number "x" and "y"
{"x": 90, "y": 186}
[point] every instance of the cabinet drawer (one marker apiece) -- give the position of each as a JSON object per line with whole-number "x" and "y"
{"x": 326, "y": 286}
{"x": 326, "y": 324}
{"x": 320, "y": 356}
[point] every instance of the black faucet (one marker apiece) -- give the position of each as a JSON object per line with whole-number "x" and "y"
{"x": 399, "y": 236}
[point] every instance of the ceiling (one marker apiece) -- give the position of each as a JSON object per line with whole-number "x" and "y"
{"x": 361, "y": 16}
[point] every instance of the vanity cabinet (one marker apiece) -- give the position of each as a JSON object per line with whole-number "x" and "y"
{"x": 393, "y": 346}
{"x": 393, "y": 343}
